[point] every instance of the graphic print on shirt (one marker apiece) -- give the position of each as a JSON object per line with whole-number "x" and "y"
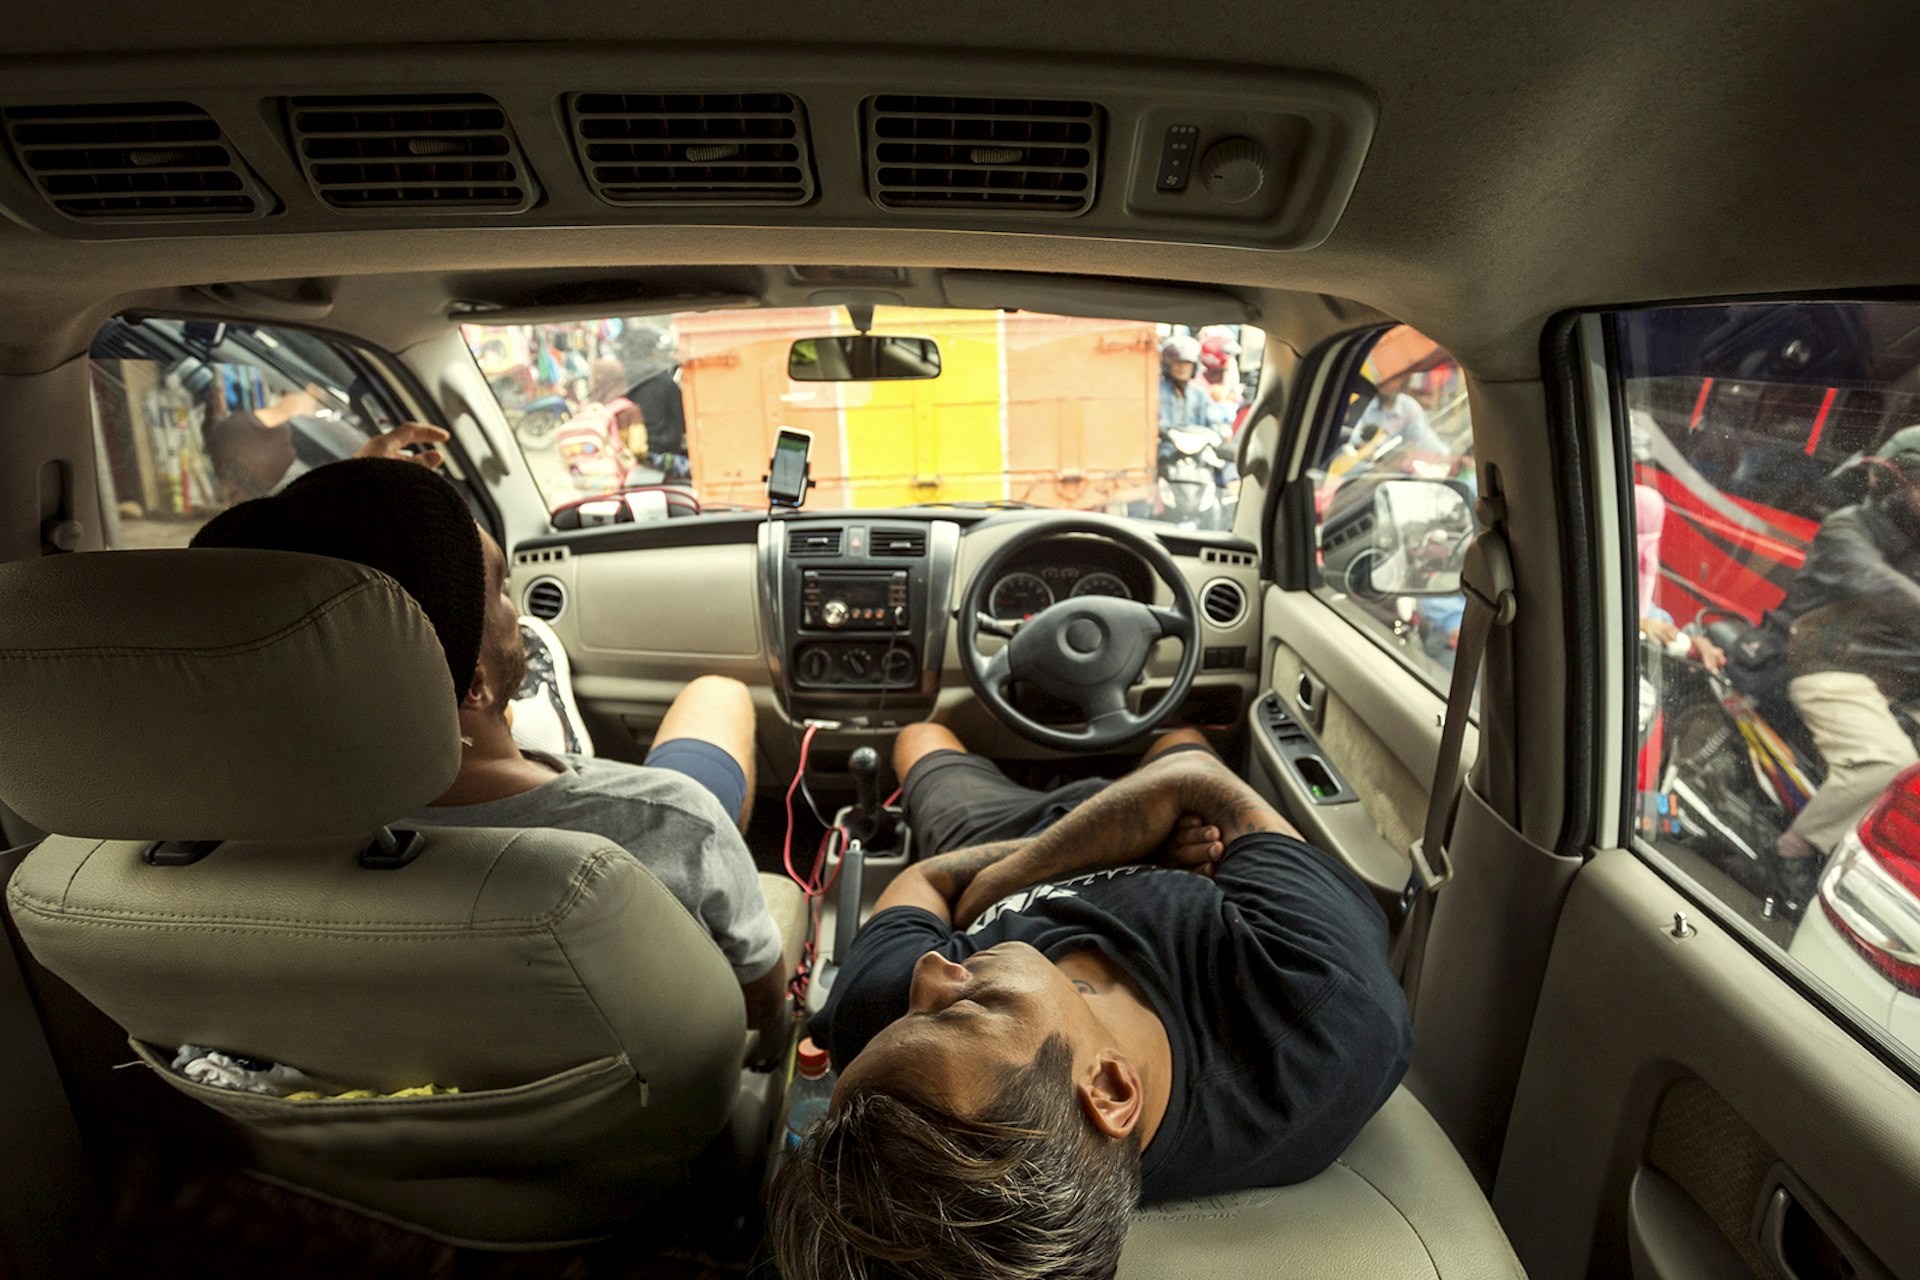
{"x": 1017, "y": 903}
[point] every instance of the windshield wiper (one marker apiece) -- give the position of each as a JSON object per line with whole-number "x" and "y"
{"x": 980, "y": 504}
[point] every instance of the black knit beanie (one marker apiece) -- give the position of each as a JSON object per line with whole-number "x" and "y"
{"x": 397, "y": 517}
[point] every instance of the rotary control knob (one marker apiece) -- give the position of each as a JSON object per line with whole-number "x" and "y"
{"x": 834, "y": 613}
{"x": 1234, "y": 170}
{"x": 857, "y": 662}
{"x": 815, "y": 666}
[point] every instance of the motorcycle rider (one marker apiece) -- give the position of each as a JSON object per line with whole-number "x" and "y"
{"x": 1185, "y": 403}
{"x": 1853, "y": 613}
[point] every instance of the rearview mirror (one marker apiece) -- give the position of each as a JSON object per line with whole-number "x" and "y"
{"x": 862, "y": 357}
{"x": 1397, "y": 537}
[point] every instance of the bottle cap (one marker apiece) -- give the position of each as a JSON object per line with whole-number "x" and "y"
{"x": 813, "y": 1059}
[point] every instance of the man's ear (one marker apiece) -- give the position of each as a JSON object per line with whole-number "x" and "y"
{"x": 1111, "y": 1093}
{"x": 477, "y": 697}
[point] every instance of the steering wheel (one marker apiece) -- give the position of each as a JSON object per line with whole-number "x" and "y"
{"x": 1084, "y": 650}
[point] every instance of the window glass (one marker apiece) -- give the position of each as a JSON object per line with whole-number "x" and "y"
{"x": 194, "y": 416}
{"x": 1776, "y": 524}
{"x": 680, "y": 412}
{"x": 1393, "y": 500}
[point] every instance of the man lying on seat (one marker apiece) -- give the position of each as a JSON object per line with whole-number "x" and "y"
{"x": 681, "y": 814}
{"x": 1164, "y": 994}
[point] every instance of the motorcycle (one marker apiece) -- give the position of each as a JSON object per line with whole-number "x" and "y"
{"x": 1188, "y": 491}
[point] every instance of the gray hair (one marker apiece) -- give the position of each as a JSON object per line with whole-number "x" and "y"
{"x": 890, "y": 1188}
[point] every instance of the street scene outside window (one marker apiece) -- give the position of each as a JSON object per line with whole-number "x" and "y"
{"x": 191, "y": 417}
{"x": 640, "y": 418}
{"x": 1393, "y": 499}
{"x": 1776, "y": 526}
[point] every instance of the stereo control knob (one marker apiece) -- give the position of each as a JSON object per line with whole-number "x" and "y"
{"x": 834, "y": 613}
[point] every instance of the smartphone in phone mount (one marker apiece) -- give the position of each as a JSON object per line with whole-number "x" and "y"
{"x": 789, "y": 474}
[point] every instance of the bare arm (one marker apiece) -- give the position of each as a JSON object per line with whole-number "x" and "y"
{"x": 769, "y": 1013}
{"x": 1128, "y": 822}
{"x": 937, "y": 883}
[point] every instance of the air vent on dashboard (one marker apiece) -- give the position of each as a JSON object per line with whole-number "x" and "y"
{"x": 1225, "y": 602}
{"x": 1016, "y": 154}
{"x": 898, "y": 542}
{"x": 545, "y": 598}
{"x": 429, "y": 153}
{"x": 134, "y": 160}
{"x": 692, "y": 148}
{"x": 813, "y": 542}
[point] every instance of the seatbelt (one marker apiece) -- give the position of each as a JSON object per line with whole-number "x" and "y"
{"x": 1486, "y": 576}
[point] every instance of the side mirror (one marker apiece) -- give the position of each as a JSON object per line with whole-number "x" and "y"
{"x": 862, "y": 357}
{"x": 1408, "y": 537}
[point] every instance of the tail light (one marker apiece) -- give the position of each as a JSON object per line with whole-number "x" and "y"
{"x": 1871, "y": 889}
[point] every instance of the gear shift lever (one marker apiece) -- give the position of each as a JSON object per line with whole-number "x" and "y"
{"x": 863, "y": 822}
{"x": 866, "y": 823}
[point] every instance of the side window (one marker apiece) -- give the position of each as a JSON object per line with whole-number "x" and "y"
{"x": 1776, "y": 549}
{"x": 1393, "y": 500}
{"x": 192, "y": 417}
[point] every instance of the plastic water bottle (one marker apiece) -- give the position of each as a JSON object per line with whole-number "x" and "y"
{"x": 810, "y": 1092}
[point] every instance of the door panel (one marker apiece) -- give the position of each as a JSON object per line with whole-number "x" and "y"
{"x": 1690, "y": 1057}
{"x": 1379, "y": 726}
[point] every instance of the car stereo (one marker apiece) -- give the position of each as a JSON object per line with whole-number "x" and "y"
{"x": 853, "y": 599}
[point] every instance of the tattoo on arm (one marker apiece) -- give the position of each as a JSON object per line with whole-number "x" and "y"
{"x": 951, "y": 873}
{"x": 1084, "y": 987}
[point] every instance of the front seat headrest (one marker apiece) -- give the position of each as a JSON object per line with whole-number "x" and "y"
{"x": 218, "y": 695}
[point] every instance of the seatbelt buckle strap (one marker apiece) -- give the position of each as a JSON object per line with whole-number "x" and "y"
{"x": 1427, "y": 875}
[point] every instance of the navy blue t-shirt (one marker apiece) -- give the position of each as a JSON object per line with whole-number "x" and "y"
{"x": 1287, "y": 1026}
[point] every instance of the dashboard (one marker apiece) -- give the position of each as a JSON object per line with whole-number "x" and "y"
{"x": 846, "y": 618}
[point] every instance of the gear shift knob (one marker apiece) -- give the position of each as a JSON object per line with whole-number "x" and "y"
{"x": 864, "y": 765}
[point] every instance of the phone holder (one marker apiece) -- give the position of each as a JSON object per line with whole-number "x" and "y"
{"x": 798, "y": 497}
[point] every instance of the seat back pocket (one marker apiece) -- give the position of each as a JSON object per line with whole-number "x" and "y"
{"x": 567, "y": 1118}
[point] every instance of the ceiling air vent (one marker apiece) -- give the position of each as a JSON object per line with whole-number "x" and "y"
{"x": 545, "y": 599}
{"x": 813, "y": 542}
{"x": 898, "y": 542}
{"x": 1225, "y": 602}
{"x": 134, "y": 160}
{"x": 692, "y": 148}
{"x": 431, "y": 153}
{"x": 1016, "y": 154}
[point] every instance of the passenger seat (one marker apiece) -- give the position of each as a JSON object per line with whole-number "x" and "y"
{"x": 1398, "y": 1204}
{"x": 220, "y": 740}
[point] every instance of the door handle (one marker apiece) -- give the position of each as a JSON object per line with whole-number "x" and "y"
{"x": 1310, "y": 696}
{"x": 1802, "y": 1240}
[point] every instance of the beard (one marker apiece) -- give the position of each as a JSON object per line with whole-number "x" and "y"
{"x": 505, "y": 659}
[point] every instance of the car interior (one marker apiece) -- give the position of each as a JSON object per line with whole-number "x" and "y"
{"x": 828, "y": 352}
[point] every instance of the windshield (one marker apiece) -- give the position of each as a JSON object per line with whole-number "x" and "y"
{"x": 1132, "y": 418}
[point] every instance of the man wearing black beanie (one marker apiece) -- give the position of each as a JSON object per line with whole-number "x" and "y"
{"x": 677, "y": 814}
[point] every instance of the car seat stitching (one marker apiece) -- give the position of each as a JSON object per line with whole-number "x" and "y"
{"x": 171, "y": 919}
{"x": 480, "y": 891}
{"x": 239, "y": 648}
{"x": 1433, "y": 1264}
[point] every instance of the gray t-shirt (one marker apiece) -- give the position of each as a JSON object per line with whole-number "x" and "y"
{"x": 665, "y": 819}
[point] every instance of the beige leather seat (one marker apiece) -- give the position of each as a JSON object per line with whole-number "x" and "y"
{"x": 288, "y": 706}
{"x": 1399, "y": 1204}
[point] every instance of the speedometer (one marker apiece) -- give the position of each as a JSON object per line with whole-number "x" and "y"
{"x": 1102, "y": 584}
{"x": 1019, "y": 596}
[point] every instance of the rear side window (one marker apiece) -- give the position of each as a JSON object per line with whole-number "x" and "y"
{"x": 192, "y": 417}
{"x": 1775, "y": 511}
{"x": 1393, "y": 499}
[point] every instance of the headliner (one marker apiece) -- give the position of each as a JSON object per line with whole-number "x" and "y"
{"x": 1528, "y": 158}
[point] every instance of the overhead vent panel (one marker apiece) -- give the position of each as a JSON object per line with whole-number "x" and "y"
{"x": 425, "y": 153}
{"x": 1024, "y": 155}
{"x": 641, "y": 149}
{"x": 134, "y": 160}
